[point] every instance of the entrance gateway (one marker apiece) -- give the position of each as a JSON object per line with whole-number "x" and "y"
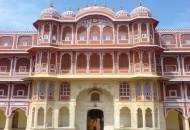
{"x": 95, "y": 119}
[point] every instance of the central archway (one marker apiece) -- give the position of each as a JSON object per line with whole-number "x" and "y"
{"x": 94, "y": 104}
{"x": 95, "y": 120}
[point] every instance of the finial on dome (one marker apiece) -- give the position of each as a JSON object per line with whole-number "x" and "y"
{"x": 51, "y": 5}
{"x": 95, "y": 3}
{"x": 141, "y": 4}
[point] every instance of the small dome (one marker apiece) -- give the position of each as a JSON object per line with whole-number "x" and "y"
{"x": 50, "y": 12}
{"x": 68, "y": 14}
{"x": 122, "y": 13}
{"x": 141, "y": 11}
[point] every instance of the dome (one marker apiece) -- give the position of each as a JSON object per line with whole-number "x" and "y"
{"x": 122, "y": 13}
{"x": 68, "y": 14}
{"x": 50, "y": 12}
{"x": 141, "y": 11}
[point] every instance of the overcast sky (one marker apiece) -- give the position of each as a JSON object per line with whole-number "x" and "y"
{"x": 20, "y": 14}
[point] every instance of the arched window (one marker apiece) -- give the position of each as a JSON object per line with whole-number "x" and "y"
{"x": 66, "y": 63}
{"x": 125, "y": 117}
{"x": 94, "y": 63}
{"x": 24, "y": 41}
{"x": 5, "y": 65}
{"x": 95, "y": 97}
{"x": 40, "y": 120}
{"x": 46, "y": 31}
{"x": 49, "y": 118}
{"x": 148, "y": 117}
{"x": 124, "y": 90}
{"x": 107, "y": 33}
{"x": 123, "y": 33}
{"x": 6, "y": 41}
{"x": 170, "y": 65}
{"x": 19, "y": 119}
{"x": 67, "y": 34}
{"x": 82, "y": 34}
{"x": 63, "y": 117}
{"x": 81, "y": 62}
{"x": 107, "y": 62}
{"x": 94, "y": 33}
{"x": 139, "y": 118}
{"x": 123, "y": 62}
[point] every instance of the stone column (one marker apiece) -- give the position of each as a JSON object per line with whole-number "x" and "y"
{"x": 116, "y": 116}
{"x": 56, "y": 117}
{"x": 144, "y": 119}
{"x": 8, "y": 123}
{"x": 185, "y": 123}
{"x": 72, "y": 108}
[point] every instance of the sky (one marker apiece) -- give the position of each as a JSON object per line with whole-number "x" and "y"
{"x": 18, "y": 15}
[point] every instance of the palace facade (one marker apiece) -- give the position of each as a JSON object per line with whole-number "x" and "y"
{"x": 95, "y": 69}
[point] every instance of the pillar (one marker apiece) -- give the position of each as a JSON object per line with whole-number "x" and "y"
{"x": 185, "y": 123}
{"x": 144, "y": 119}
{"x": 8, "y": 123}
{"x": 72, "y": 108}
{"x": 116, "y": 116}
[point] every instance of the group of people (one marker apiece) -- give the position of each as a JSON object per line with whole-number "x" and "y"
{"x": 94, "y": 124}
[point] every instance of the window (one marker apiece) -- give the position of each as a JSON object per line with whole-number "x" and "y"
{"x": 171, "y": 68}
{"x": 138, "y": 89}
{"x": 124, "y": 90}
{"x": 167, "y": 42}
{"x": 187, "y": 42}
{"x": 51, "y": 90}
{"x": 67, "y": 38}
{"x": 94, "y": 38}
{"x": 65, "y": 90}
{"x": 2, "y": 92}
{"x": 123, "y": 37}
{"x": 95, "y": 97}
{"x": 172, "y": 93}
{"x": 46, "y": 37}
{"x": 42, "y": 88}
{"x": 144, "y": 36}
{"x": 81, "y": 38}
{"x": 20, "y": 92}
{"x": 54, "y": 37}
{"x": 187, "y": 68}
{"x": 22, "y": 68}
{"x": 3, "y": 68}
{"x": 25, "y": 43}
{"x": 107, "y": 38}
{"x": 147, "y": 89}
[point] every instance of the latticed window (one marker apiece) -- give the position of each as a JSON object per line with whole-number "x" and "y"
{"x": 124, "y": 90}
{"x": 147, "y": 91}
{"x": 41, "y": 89}
{"x": 51, "y": 90}
{"x": 95, "y": 97}
{"x": 65, "y": 90}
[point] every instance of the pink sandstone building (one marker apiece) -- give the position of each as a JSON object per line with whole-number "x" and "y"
{"x": 95, "y": 69}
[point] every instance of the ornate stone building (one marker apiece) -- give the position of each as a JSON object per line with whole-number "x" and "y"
{"x": 95, "y": 69}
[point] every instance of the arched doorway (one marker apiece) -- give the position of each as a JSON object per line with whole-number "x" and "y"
{"x": 3, "y": 119}
{"x": 19, "y": 120}
{"x": 94, "y": 103}
{"x": 95, "y": 119}
{"x": 174, "y": 120}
